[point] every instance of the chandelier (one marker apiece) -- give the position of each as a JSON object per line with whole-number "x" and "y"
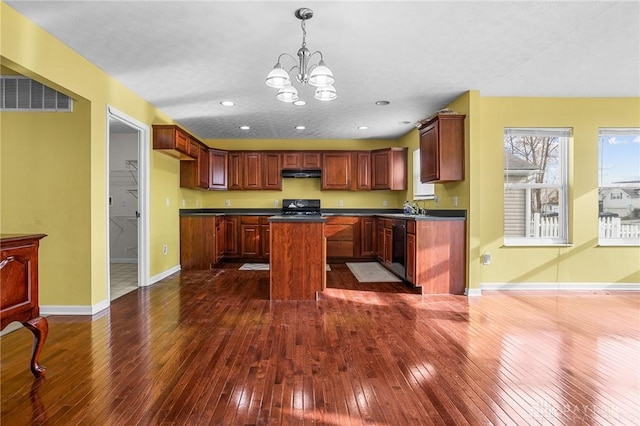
{"x": 318, "y": 75}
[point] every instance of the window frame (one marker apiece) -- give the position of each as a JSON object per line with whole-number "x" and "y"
{"x": 613, "y": 241}
{"x": 565, "y": 136}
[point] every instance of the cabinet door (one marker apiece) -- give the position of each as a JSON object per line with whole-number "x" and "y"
{"x": 411, "y": 258}
{"x": 220, "y": 238}
{"x": 272, "y": 167}
{"x": 367, "y": 237}
{"x": 231, "y": 236}
{"x": 235, "y": 171}
{"x": 292, "y": 160}
{"x": 265, "y": 240}
{"x": 363, "y": 170}
{"x": 203, "y": 168}
{"x": 380, "y": 169}
{"x": 173, "y": 141}
{"x": 429, "y": 157}
{"x": 252, "y": 170}
{"x": 218, "y": 169}
{"x": 249, "y": 240}
{"x": 336, "y": 170}
{"x": 311, "y": 160}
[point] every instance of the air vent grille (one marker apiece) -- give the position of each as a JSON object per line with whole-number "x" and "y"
{"x": 24, "y": 94}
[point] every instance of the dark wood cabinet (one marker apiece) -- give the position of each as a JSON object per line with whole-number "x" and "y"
{"x": 304, "y": 160}
{"x": 271, "y": 171}
{"x": 442, "y": 149}
{"x": 343, "y": 236}
{"x": 389, "y": 169}
{"x": 234, "y": 181}
{"x": 411, "y": 257}
{"x": 19, "y": 289}
{"x": 173, "y": 141}
{"x": 254, "y": 237}
{"x": 199, "y": 248}
{"x": 336, "y": 170}
{"x": 252, "y": 170}
{"x": 231, "y": 229}
{"x": 380, "y": 240}
{"x": 367, "y": 236}
{"x": 209, "y": 171}
{"x": 218, "y": 169}
{"x": 362, "y": 170}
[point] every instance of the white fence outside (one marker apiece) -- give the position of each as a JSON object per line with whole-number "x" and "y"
{"x": 609, "y": 227}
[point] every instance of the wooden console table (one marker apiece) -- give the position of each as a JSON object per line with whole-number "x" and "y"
{"x": 19, "y": 287}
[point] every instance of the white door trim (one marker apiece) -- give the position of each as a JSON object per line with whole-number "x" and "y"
{"x": 143, "y": 194}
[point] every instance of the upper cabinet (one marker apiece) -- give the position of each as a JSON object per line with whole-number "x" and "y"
{"x": 442, "y": 149}
{"x": 336, "y": 170}
{"x": 255, "y": 170}
{"x": 218, "y": 169}
{"x": 305, "y": 160}
{"x": 389, "y": 169}
{"x": 362, "y": 170}
{"x": 174, "y": 141}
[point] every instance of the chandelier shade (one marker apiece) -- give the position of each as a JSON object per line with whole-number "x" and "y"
{"x": 278, "y": 77}
{"x": 316, "y": 74}
{"x": 326, "y": 93}
{"x": 288, "y": 94}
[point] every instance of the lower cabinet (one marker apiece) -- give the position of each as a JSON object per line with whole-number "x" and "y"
{"x": 440, "y": 256}
{"x": 341, "y": 233}
{"x": 254, "y": 236}
{"x": 199, "y": 247}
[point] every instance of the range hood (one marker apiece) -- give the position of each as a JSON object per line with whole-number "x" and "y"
{"x": 299, "y": 173}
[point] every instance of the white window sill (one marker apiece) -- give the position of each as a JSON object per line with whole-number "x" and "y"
{"x": 537, "y": 245}
{"x": 618, "y": 242}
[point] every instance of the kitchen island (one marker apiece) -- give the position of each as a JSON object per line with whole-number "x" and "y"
{"x": 297, "y": 261}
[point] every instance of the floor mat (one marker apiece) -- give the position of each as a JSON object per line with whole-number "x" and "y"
{"x": 261, "y": 267}
{"x": 372, "y": 272}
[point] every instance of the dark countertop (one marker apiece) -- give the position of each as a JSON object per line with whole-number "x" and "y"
{"x": 390, "y": 213}
{"x": 298, "y": 219}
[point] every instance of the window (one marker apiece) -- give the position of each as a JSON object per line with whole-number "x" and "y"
{"x": 619, "y": 187}
{"x": 535, "y": 186}
{"x": 421, "y": 191}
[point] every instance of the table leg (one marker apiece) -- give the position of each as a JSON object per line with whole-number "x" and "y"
{"x": 39, "y": 326}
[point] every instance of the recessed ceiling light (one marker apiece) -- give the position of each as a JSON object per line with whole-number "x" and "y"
{"x": 299, "y": 102}
{"x": 363, "y": 127}
{"x": 244, "y": 127}
{"x": 382, "y": 102}
{"x": 227, "y": 103}
{"x": 300, "y": 127}
{"x": 404, "y": 122}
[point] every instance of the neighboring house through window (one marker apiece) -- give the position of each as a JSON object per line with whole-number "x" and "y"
{"x": 619, "y": 187}
{"x": 535, "y": 186}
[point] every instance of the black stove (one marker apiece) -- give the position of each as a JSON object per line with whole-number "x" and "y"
{"x": 301, "y": 207}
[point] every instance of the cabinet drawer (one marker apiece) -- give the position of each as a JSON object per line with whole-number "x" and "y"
{"x": 250, "y": 220}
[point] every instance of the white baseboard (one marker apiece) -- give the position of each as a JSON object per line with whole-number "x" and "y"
{"x": 163, "y": 275}
{"x": 560, "y": 286}
{"x": 472, "y": 292}
{"x": 73, "y": 309}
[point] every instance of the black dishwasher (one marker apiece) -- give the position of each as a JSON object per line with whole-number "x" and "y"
{"x": 398, "y": 247}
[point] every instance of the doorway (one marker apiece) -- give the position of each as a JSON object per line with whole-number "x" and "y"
{"x": 127, "y": 189}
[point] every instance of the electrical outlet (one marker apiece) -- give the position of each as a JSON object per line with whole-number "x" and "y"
{"x": 436, "y": 200}
{"x": 385, "y": 203}
{"x": 275, "y": 203}
{"x": 486, "y": 258}
{"x": 165, "y": 249}
{"x": 197, "y": 203}
{"x": 227, "y": 203}
{"x": 455, "y": 201}
{"x": 340, "y": 203}
{"x": 166, "y": 201}
{"x": 183, "y": 202}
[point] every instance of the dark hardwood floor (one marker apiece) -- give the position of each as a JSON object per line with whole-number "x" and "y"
{"x": 205, "y": 348}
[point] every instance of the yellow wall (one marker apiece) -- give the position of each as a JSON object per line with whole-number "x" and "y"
{"x": 28, "y": 50}
{"x": 583, "y": 261}
{"x": 45, "y": 188}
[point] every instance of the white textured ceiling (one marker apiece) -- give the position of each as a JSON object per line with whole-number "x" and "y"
{"x": 187, "y": 56}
